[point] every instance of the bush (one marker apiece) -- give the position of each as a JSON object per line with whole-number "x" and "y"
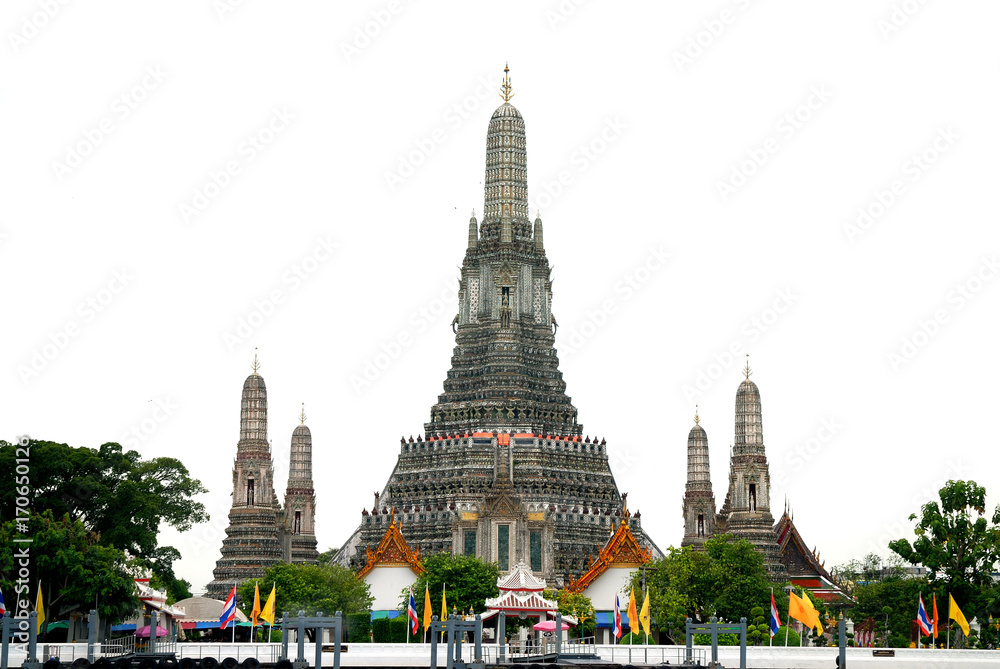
{"x": 397, "y": 629}
{"x": 724, "y": 639}
{"x": 358, "y": 627}
{"x": 380, "y": 630}
{"x": 779, "y": 638}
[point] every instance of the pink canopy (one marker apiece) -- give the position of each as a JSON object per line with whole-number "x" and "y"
{"x": 549, "y": 626}
{"x": 144, "y": 631}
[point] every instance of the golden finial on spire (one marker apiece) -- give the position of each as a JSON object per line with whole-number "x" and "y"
{"x": 505, "y": 89}
{"x": 256, "y": 363}
{"x": 302, "y": 416}
{"x": 746, "y": 370}
{"x": 696, "y": 419}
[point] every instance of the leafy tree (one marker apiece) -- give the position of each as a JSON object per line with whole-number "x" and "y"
{"x": 779, "y": 638}
{"x": 892, "y": 604}
{"x": 116, "y": 494}
{"x": 469, "y": 580}
{"x": 75, "y": 570}
{"x": 869, "y": 569}
{"x": 578, "y": 605}
{"x": 309, "y": 588}
{"x": 958, "y": 544}
{"x": 727, "y": 579}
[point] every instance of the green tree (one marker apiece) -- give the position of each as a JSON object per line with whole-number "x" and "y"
{"x": 469, "y": 580}
{"x": 116, "y": 494}
{"x": 892, "y": 603}
{"x": 727, "y": 579}
{"x": 76, "y": 571}
{"x": 958, "y": 544}
{"x": 309, "y": 588}
{"x": 578, "y": 605}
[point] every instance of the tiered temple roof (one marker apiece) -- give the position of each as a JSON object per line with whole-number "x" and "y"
{"x": 622, "y": 550}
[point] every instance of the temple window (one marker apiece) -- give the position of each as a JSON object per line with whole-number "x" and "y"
{"x": 503, "y": 547}
{"x": 753, "y": 496}
{"x": 469, "y": 536}
{"x": 297, "y": 527}
{"x": 535, "y": 546}
{"x": 250, "y": 492}
{"x": 701, "y": 525}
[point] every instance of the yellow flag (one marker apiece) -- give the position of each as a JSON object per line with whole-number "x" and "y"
{"x": 427, "y": 608}
{"x": 444, "y": 603}
{"x": 40, "y": 609}
{"x": 807, "y": 603}
{"x": 802, "y": 610}
{"x": 267, "y": 613}
{"x": 954, "y": 613}
{"x": 633, "y": 615}
{"x": 644, "y": 614}
{"x": 256, "y": 604}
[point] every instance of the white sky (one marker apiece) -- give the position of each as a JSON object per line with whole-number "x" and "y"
{"x": 676, "y": 131}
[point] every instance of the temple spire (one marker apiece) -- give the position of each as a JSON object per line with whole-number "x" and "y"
{"x": 505, "y": 88}
{"x": 746, "y": 370}
{"x": 255, "y": 365}
{"x": 302, "y": 415}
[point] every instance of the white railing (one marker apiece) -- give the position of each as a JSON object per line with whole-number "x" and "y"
{"x": 265, "y": 652}
{"x": 642, "y": 654}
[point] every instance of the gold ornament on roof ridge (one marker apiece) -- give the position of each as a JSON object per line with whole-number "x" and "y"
{"x": 505, "y": 88}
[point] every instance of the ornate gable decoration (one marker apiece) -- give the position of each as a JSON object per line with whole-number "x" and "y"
{"x": 622, "y": 550}
{"x": 392, "y": 551}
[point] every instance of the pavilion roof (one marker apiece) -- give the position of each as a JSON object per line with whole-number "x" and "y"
{"x": 622, "y": 550}
{"x": 521, "y": 579}
{"x": 392, "y": 551}
{"x": 514, "y": 601}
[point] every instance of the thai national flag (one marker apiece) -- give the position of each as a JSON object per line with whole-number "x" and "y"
{"x": 3, "y": 609}
{"x": 411, "y": 611}
{"x": 926, "y": 625}
{"x": 775, "y": 625}
{"x": 228, "y": 610}
{"x": 618, "y": 619}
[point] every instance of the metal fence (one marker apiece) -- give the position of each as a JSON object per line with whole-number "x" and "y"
{"x": 627, "y": 654}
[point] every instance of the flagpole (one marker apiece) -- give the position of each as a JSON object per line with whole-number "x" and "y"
{"x": 770, "y": 636}
{"x": 949, "y": 621}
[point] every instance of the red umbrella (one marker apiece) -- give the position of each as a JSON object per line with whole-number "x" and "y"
{"x": 144, "y": 631}
{"x": 549, "y": 626}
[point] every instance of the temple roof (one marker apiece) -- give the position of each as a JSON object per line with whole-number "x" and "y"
{"x": 520, "y": 601}
{"x": 392, "y": 551}
{"x": 804, "y": 566}
{"x": 521, "y": 579}
{"x": 622, "y": 550}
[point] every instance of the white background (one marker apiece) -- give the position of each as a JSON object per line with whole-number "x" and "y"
{"x": 362, "y": 104}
